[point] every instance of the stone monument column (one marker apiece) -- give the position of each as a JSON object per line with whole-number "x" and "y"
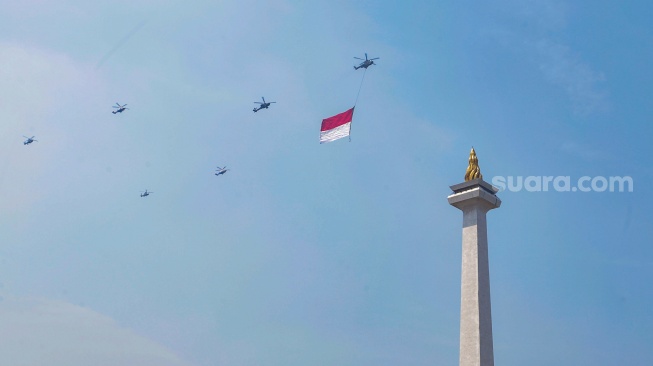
{"x": 475, "y": 198}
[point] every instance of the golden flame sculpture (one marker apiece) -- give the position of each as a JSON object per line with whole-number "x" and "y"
{"x": 473, "y": 170}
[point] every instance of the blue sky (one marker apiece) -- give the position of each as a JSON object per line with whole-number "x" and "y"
{"x": 345, "y": 253}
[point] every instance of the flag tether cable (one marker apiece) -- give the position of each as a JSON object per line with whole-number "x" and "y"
{"x": 356, "y": 102}
{"x": 360, "y": 87}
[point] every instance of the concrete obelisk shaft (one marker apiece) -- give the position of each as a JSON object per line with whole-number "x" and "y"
{"x": 475, "y": 198}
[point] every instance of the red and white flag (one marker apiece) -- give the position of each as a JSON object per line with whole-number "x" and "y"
{"x": 336, "y": 127}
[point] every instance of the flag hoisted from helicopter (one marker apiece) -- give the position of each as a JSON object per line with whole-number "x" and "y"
{"x": 336, "y": 127}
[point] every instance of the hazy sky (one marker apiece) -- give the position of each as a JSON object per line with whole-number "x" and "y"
{"x": 345, "y": 253}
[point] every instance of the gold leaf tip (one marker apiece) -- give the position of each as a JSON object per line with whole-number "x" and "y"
{"x": 473, "y": 170}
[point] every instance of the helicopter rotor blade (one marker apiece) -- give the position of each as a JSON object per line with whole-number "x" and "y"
{"x": 358, "y": 58}
{"x": 376, "y": 58}
{"x": 366, "y": 55}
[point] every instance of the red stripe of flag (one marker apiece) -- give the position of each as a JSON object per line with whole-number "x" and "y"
{"x": 337, "y": 120}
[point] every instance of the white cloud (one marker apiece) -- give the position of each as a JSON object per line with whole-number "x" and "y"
{"x": 582, "y": 151}
{"x": 36, "y": 80}
{"x": 547, "y": 15}
{"x": 540, "y": 22}
{"x": 41, "y": 91}
{"x": 581, "y": 83}
{"x": 55, "y": 333}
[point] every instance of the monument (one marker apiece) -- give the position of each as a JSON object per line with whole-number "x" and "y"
{"x": 475, "y": 198}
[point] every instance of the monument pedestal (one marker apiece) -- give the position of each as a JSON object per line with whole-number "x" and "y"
{"x": 475, "y": 198}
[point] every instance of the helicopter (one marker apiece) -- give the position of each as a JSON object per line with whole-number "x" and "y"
{"x": 29, "y": 140}
{"x": 366, "y": 63}
{"x": 263, "y": 105}
{"x": 121, "y": 108}
{"x": 146, "y": 193}
{"x": 221, "y": 171}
